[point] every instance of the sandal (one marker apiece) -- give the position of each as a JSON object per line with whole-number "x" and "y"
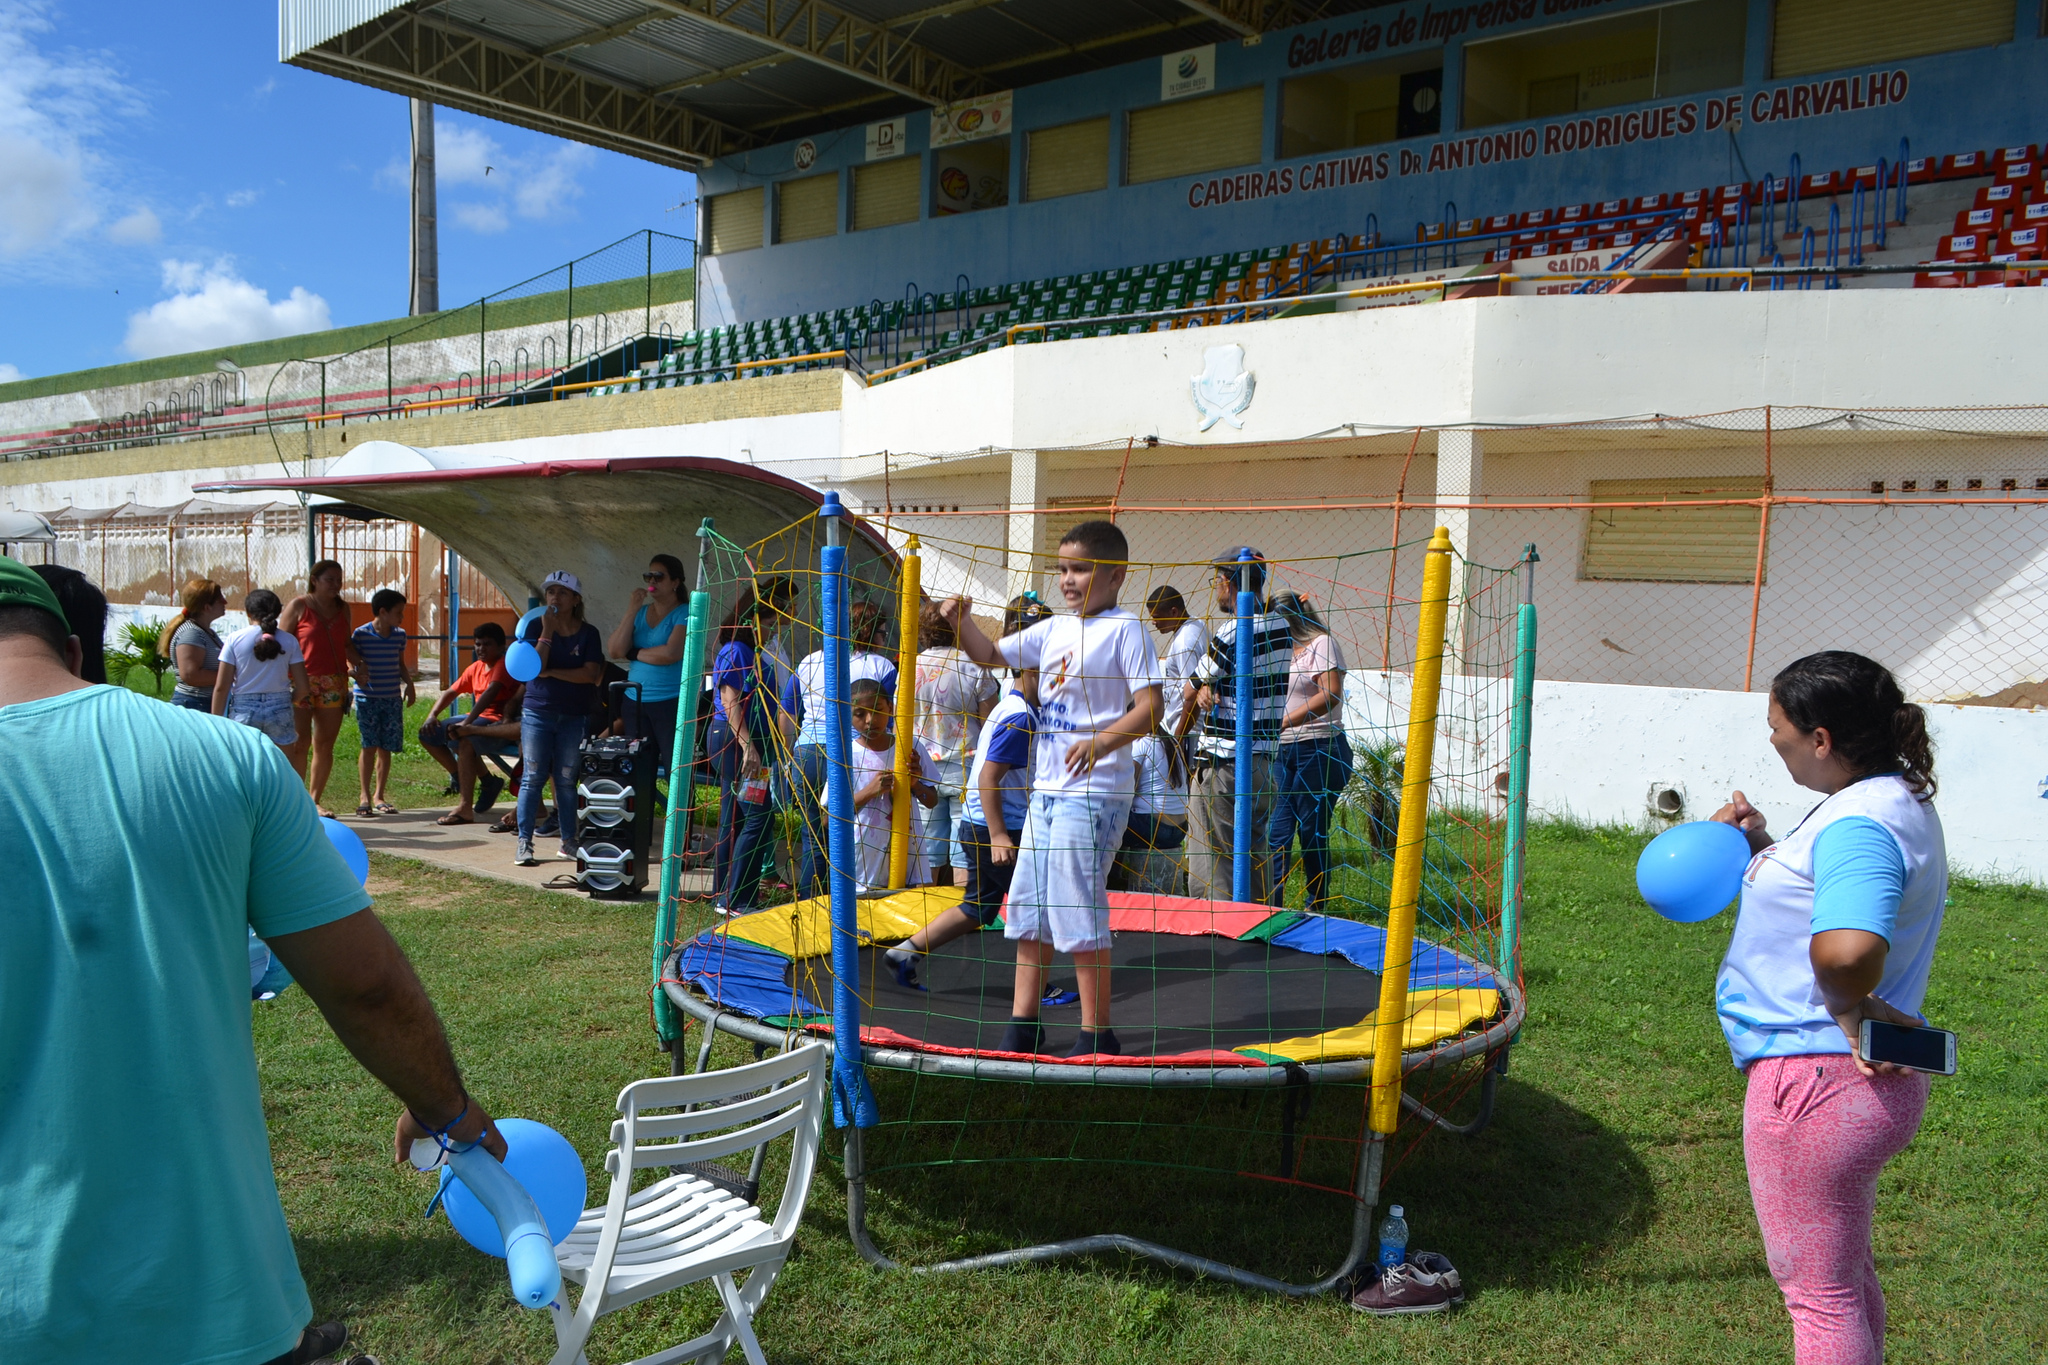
{"x": 453, "y": 818}
{"x": 363, "y": 810}
{"x": 386, "y": 808}
{"x": 508, "y": 823}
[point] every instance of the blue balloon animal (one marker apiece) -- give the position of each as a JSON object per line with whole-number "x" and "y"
{"x": 519, "y": 1210}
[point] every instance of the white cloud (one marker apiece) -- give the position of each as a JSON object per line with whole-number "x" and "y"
{"x": 51, "y": 105}
{"x": 214, "y": 306}
{"x": 10, "y": 373}
{"x": 462, "y": 154}
{"x": 139, "y": 228}
{"x": 241, "y": 199}
{"x": 543, "y": 185}
{"x": 486, "y": 218}
{"x": 550, "y": 187}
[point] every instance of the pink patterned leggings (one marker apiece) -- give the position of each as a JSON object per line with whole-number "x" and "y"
{"x": 1815, "y": 1133}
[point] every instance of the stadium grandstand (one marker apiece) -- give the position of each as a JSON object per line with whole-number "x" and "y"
{"x": 974, "y": 260}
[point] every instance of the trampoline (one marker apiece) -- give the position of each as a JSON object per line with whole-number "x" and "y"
{"x": 1203, "y": 993}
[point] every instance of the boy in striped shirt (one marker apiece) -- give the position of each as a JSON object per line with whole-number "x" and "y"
{"x": 383, "y": 691}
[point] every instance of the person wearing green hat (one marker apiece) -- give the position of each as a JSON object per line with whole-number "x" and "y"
{"x": 146, "y": 841}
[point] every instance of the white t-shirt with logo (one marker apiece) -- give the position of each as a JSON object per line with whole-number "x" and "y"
{"x": 1089, "y": 669}
{"x": 1869, "y": 857}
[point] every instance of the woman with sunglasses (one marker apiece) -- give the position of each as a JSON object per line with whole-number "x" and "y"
{"x": 650, "y": 639}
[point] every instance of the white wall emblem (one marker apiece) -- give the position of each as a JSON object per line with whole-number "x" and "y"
{"x": 1223, "y": 389}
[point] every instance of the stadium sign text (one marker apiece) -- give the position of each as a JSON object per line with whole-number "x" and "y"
{"x": 1429, "y": 24}
{"x": 1564, "y": 138}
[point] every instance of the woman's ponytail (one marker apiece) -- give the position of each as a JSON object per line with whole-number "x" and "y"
{"x": 1915, "y": 751}
{"x": 263, "y": 609}
{"x": 1861, "y": 706}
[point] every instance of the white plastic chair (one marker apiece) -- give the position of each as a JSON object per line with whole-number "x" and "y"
{"x": 685, "y": 1228}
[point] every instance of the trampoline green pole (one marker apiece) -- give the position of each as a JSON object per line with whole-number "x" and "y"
{"x": 682, "y": 793}
{"x": 1519, "y": 721}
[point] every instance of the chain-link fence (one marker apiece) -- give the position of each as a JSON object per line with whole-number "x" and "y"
{"x": 609, "y": 312}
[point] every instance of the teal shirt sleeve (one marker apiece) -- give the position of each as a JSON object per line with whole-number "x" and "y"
{"x": 1859, "y": 876}
{"x": 297, "y": 880}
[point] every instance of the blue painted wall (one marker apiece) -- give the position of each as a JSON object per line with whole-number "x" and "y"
{"x": 1954, "y": 102}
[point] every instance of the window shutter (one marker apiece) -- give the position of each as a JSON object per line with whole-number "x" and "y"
{"x": 886, "y": 192}
{"x": 1070, "y": 159}
{"x": 1828, "y": 35}
{"x": 807, "y": 208}
{"x": 734, "y": 220}
{"x": 1187, "y": 137}
{"x": 1672, "y": 543}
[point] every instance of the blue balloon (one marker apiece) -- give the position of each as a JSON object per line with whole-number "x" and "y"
{"x": 1690, "y": 872}
{"x": 349, "y": 845}
{"x": 522, "y": 661}
{"x": 540, "y": 1159}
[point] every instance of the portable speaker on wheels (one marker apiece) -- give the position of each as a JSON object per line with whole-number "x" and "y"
{"x": 615, "y": 806}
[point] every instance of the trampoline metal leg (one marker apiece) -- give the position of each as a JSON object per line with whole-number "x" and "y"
{"x": 1370, "y": 1157}
{"x": 1479, "y": 1121}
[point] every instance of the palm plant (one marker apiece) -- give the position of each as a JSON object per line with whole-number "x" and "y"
{"x": 1375, "y": 792}
{"x": 139, "y": 641}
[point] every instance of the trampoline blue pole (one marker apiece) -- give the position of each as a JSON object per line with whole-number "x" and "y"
{"x": 1241, "y": 817}
{"x": 852, "y": 1101}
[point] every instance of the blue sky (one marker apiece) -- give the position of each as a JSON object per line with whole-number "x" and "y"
{"x": 166, "y": 185}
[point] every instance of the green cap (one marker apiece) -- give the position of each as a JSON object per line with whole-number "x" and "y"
{"x": 21, "y": 586}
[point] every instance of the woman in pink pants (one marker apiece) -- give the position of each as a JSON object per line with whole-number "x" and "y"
{"x": 1838, "y": 924}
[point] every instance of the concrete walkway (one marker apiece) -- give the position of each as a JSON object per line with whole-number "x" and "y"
{"x": 471, "y": 848}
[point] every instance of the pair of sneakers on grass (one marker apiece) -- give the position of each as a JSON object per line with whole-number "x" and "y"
{"x": 1426, "y": 1282}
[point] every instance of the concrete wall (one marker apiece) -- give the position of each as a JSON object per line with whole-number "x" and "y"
{"x": 1597, "y": 751}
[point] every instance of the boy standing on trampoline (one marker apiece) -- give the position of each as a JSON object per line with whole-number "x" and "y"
{"x": 1098, "y": 691}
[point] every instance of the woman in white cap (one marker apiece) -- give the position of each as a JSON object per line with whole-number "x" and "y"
{"x": 558, "y": 703}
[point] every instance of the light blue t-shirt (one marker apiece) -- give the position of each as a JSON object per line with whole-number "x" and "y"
{"x": 1869, "y": 857}
{"x": 658, "y": 682}
{"x": 138, "y": 1212}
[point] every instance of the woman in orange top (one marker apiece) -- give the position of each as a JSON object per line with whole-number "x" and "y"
{"x": 320, "y": 619}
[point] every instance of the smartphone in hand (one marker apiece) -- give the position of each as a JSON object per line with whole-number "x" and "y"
{"x": 1932, "y": 1050}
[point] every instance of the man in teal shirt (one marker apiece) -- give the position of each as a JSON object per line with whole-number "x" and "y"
{"x": 139, "y": 1219}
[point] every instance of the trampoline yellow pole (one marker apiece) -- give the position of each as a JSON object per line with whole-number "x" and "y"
{"x": 1392, "y": 1016}
{"x": 901, "y": 804}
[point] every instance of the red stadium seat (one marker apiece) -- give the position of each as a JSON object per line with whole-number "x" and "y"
{"x": 1690, "y": 199}
{"x": 1571, "y": 213}
{"x": 1939, "y": 279}
{"x": 2034, "y": 214}
{"x": 1963, "y": 165}
{"x": 2030, "y": 239}
{"x": 1501, "y": 222}
{"x": 1922, "y": 169}
{"x": 2005, "y": 156}
{"x": 1981, "y": 220}
{"x": 1609, "y": 208}
{"x": 1962, "y": 246}
{"x": 1651, "y": 203}
{"x": 1536, "y": 218}
{"x": 2007, "y": 197}
{"x": 1820, "y": 183}
{"x": 2019, "y": 172}
{"x": 1866, "y": 176}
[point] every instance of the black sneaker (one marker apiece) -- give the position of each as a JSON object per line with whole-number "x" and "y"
{"x": 489, "y": 788}
{"x": 315, "y": 1343}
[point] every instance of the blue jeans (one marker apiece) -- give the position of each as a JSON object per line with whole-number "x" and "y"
{"x": 743, "y": 826}
{"x": 548, "y": 742}
{"x": 193, "y": 701}
{"x": 809, "y": 782}
{"x": 1309, "y": 774}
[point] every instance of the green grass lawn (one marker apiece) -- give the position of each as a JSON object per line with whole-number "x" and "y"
{"x": 1603, "y": 1215}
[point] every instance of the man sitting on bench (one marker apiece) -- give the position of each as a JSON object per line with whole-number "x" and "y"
{"x": 490, "y": 730}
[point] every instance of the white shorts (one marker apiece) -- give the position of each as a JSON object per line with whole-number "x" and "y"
{"x": 1060, "y": 891}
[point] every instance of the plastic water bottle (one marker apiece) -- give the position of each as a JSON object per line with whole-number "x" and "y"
{"x": 1393, "y": 1238}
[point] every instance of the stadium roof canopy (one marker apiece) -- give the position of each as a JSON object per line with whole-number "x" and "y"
{"x": 683, "y": 81}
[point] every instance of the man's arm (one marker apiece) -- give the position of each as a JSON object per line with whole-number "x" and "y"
{"x": 443, "y": 702}
{"x": 359, "y": 977}
{"x": 1132, "y": 726}
{"x": 978, "y": 646}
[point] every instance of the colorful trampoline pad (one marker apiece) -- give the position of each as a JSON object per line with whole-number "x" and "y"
{"x": 1269, "y": 992}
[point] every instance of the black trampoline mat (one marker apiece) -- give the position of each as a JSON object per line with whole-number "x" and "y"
{"x": 1169, "y": 994}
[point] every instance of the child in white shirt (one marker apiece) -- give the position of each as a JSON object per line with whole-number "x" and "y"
{"x": 874, "y": 785}
{"x": 1098, "y": 690}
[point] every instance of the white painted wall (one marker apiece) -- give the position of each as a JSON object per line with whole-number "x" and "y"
{"x": 1597, "y": 750}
